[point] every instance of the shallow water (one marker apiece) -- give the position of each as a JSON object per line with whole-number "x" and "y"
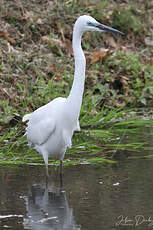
{"x": 99, "y": 197}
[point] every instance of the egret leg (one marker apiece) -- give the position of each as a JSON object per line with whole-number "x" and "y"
{"x": 47, "y": 177}
{"x": 45, "y": 156}
{"x": 61, "y": 167}
{"x": 61, "y": 175}
{"x": 61, "y": 183}
{"x": 47, "y": 174}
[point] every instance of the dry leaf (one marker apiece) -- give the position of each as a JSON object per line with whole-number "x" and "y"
{"x": 148, "y": 42}
{"x": 58, "y": 26}
{"x": 123, "y": 48}
{"x": 149, "y": 61}
{"x": 54, "y": 41}
{"x": 68, "y": 44}
{"x": 58, "y": 77}
{"x": 39, "y": 21}
{"x": 99, "y": 55}
{"x": 51, "y": 69}
{"x": 31, "y": 56}
{"x": 6, "y": 36}
{"x": 124, "y": 80}
{"x": 57, "y": 42}
{"x": 6, "y": 92}
{"x": 120, "y": 104}
{"x": 29, "y": 15}
{"x": 111, "y": 42}
{"x": 69, "y": 1}
{"x": 45, "y": 39}
{"x": 60, "y": 30}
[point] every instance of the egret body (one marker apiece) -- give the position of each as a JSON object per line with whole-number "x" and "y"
{"x": 50, "y": 128}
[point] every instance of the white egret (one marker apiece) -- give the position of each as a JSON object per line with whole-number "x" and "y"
{"x": 50, "y": 128}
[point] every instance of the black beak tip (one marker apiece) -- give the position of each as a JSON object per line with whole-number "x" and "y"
{"x": 121, "y": 33}
{"x": 116, "y": 31}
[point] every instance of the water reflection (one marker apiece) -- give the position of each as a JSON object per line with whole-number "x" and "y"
{"x": 48, "y": 208}
{"x": 95, "y": 197}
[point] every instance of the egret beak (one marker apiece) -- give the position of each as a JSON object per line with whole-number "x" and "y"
{"x": 108, "y": 29}
{"x": 104, "y": 28}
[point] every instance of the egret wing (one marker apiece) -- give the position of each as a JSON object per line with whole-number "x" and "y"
{"x": 42, "y": 122}
{"x": 40, "y": 129}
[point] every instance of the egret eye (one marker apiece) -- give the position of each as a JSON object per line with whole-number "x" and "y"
{"x": 90, "y": 24}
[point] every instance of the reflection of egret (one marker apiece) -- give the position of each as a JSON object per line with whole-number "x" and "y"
{"x": 48, "y": 209}
{"x": 51, "y": 127}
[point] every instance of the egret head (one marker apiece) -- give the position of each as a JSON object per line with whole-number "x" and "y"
{"x": 88, "y": 23}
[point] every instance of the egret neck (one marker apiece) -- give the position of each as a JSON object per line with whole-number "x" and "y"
{"x": 75, "y": 97}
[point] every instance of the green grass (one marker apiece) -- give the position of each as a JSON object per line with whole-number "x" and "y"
{"x": 101, "y": 143}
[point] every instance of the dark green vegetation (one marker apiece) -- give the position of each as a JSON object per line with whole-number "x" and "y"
{"x": 36, "y": 65}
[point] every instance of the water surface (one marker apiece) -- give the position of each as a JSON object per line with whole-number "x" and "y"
{"x": 99, "y": 197}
